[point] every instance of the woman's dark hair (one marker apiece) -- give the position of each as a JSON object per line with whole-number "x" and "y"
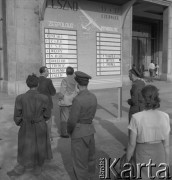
{"x": 32, "y": 81}
{"x": 69, "y": 70}
{"x": 151, "y": 97}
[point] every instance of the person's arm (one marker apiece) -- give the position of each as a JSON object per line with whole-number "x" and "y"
{"x": 51, "y": 88}
{"x": 133, "y": 131}
{"x": 74, "y": 116}
{"x": 167, "y": 149}
{"x": 18, "y": 111}
{"x": 131, "y": 144}
{"x": 134, "y": 96}
{"x": 63, "y": 88}
{"x": 46, "y": 110}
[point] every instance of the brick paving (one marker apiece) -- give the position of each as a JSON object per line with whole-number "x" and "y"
{"x": 111, "y": 136}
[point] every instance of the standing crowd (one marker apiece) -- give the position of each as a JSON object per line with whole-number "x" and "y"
{"x": 148, "y": 128}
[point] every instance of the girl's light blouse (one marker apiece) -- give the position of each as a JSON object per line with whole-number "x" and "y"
{"x": 150, "y": 125}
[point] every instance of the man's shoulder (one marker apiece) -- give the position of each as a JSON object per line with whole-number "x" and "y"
{"x": 43, "y": 78}
{"x": 92, "y": 94}
{"x": 20, "y": 96}
{"x": 64, "y": 79}
{"x": 48, "y": 80}
{"x": 86, "y": 94}
{"x": 43, "y": 96}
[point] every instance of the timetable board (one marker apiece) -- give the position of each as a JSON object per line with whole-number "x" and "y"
{"x": 60, "y": 51}
{"x": 108, "y": 54}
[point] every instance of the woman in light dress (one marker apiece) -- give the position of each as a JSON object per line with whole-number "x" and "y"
{"x": 149, "y": 136}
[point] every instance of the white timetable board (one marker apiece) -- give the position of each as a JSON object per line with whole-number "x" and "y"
{"x": 108, "y": 54}
{"x": 60, "y": 51}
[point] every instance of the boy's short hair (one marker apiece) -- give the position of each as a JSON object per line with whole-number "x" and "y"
{"x": 32, "y": 81}
{"x": 69, "y": 70}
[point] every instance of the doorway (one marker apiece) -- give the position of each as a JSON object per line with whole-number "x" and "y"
{"x": 145, "y": 44}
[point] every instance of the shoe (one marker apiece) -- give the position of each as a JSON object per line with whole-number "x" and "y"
{"x": 13, "y": 173}
{"x": 64, "y": 136}
{"x": 37, "y": 171}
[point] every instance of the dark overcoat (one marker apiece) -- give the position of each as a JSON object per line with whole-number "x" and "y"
{"x": 136, "y": 102}
{"x": 47, "y": 88}
{"x": 30, "y": 113}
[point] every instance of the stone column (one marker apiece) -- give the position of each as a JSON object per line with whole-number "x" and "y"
{"x": 167, "y": 45}
{"x": 127, "y": 46}
{"x": 23, "y": 43}
{"x": 3, "y": 47}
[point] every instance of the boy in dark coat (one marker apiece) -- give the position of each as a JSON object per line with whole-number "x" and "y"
{"x": 47, "y": 88}
{"x": 31, "y": 113}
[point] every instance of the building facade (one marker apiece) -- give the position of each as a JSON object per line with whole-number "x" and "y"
{"x": 102, "y": 38}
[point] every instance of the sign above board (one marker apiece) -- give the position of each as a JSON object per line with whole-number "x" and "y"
{"x": 89, "y": 15}
{"x": 74, "y": 5}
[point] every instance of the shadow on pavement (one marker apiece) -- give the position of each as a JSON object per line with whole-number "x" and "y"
{"x": 101, "y": 107}
{"x": 123, "y": 107}
{"x": 114, "y": 131}
{"x": 64, "y": 148}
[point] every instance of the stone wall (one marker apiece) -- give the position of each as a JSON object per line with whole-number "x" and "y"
{"x": 23, "y": 42}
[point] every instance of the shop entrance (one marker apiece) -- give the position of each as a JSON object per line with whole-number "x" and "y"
{"x": 145, "y": 44}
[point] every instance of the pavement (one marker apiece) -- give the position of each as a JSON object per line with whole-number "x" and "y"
{"x": 111, "y": 134}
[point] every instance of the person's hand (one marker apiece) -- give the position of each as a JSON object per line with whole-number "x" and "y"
{"x": 60, "y": 96}
{"x": 129, "y": 101}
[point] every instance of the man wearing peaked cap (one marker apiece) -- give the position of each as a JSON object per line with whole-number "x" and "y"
{"x": 82, "y": 78}
{"x": 135, "y": 72}
{"x": 81, "y": 129}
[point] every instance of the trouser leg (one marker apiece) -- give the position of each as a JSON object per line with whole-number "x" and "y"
{"x": 80, "y": 152}
{"x": 151, "y": 75}
{"x": 49, "y": 124}
{"x": 92, "y": 158}
{"x": 64, "y": 115}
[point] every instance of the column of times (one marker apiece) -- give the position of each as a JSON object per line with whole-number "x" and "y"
{"x": 108, "y": 54}
{"x": 60, "y": 51}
